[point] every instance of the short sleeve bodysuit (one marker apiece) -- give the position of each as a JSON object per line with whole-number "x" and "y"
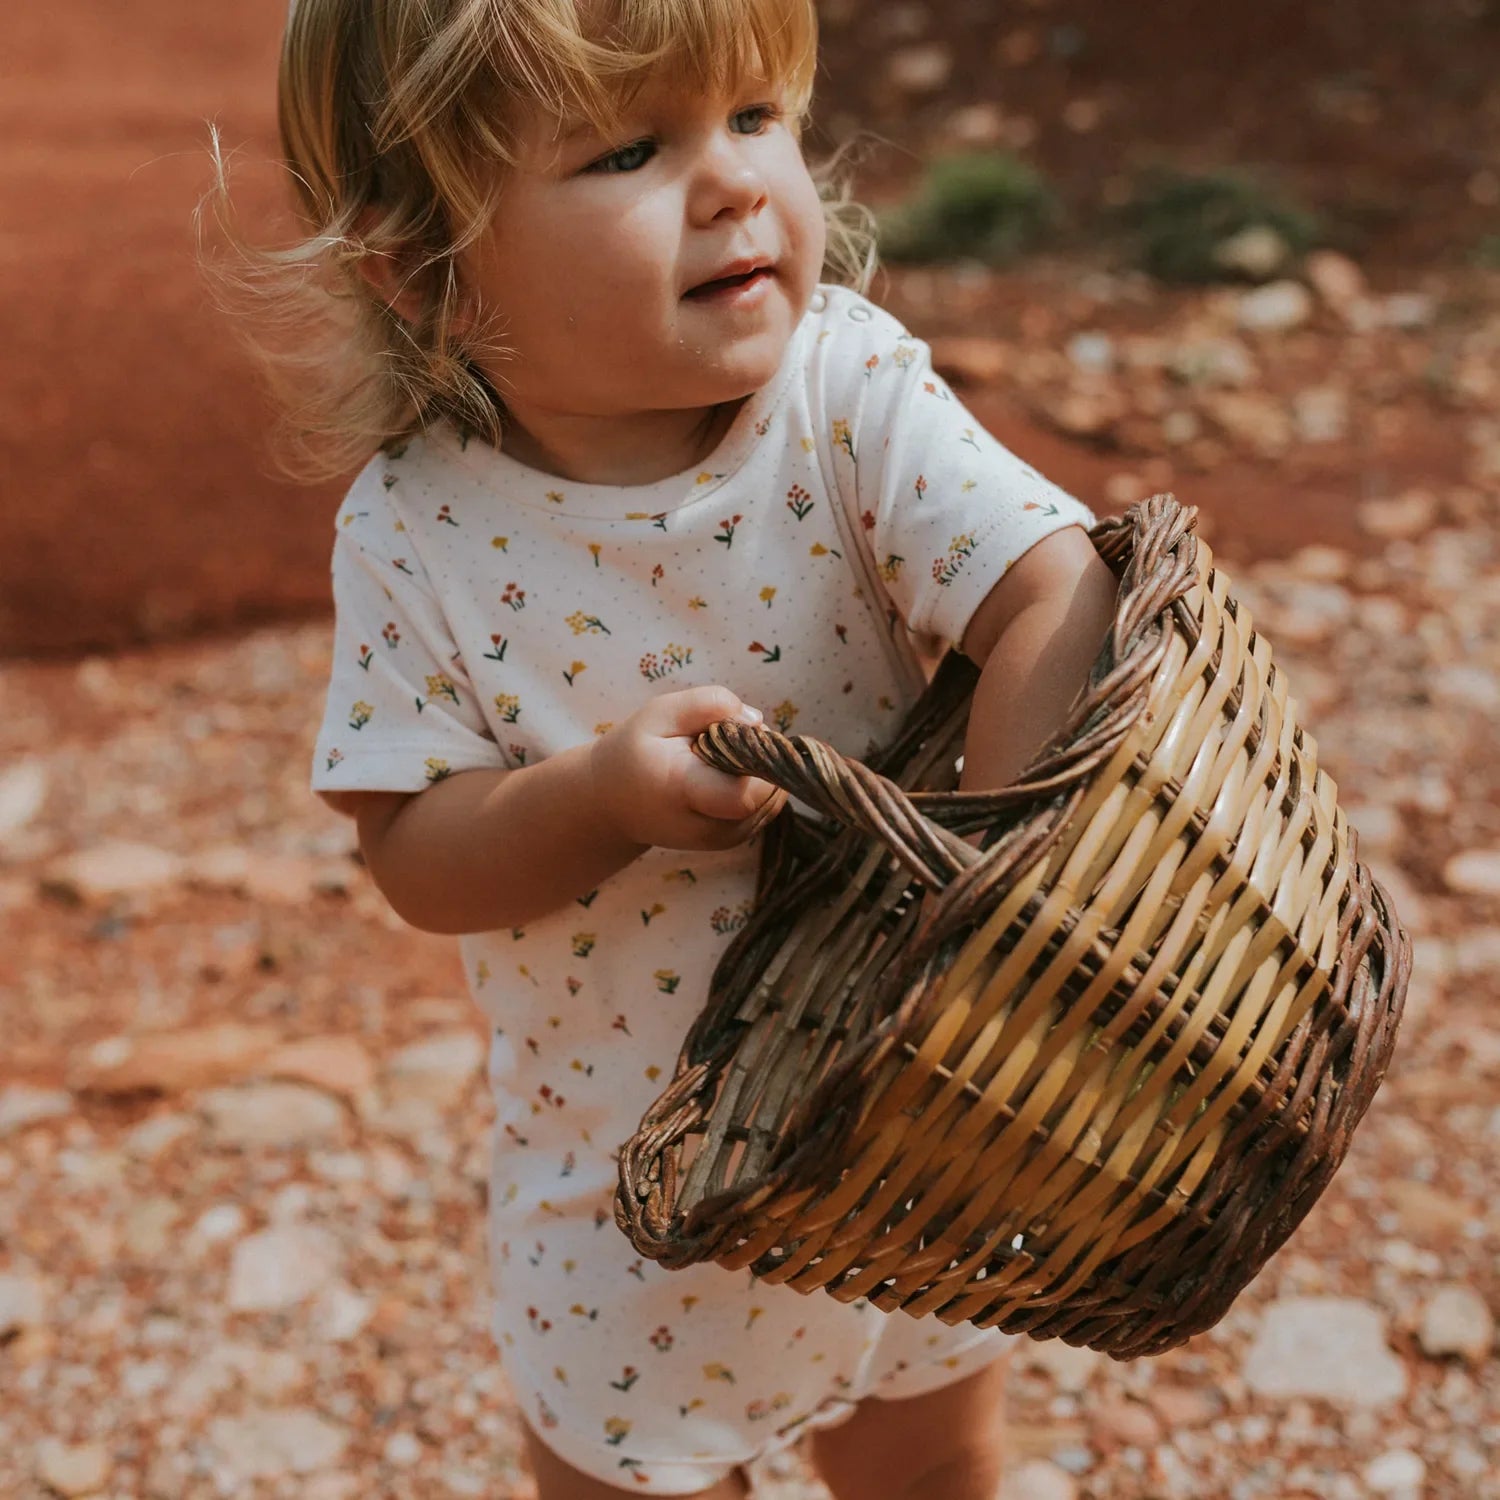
{"x": 488, "y": 616}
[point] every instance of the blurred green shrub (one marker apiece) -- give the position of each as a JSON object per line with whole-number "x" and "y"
{"x": 1181, "y": 220}
{"x": 974, "y": 205}
{"x": 1487, "y": 253}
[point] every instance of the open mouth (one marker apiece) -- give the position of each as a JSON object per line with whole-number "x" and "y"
{"x": 730, "y": 283}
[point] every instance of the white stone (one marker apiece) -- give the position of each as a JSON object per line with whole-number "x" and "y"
{"x": 1321, "y": 414}
{"x": 1329, "y": 1347}
{"x": 1276, "y": 307}
{"x": 1257, "y": 251}
{"x": 1335, "y": 278}
{"x": 1457, "y": 1320}
{"x": 1400, "y": 518}
{"x": 1395, "y": 1471}
{"x": 920, "y": 70}
{"x": 81, "y": 1469}
{"x": 23, "y": 1104}
{"x": 1212, "y": 362}
{"x": 1408, "y": 310}
{"x": 1092, "y": 351}
{"x": 114, "y": 869}
{"x": 278, "y": 1268}
{"x": 1070, "y": 1368}
{"x": 23, "y": 1302}
{"x": 1036, "y": 1479}
{"x": 155, "y": 1135}
{"x": 224, "y": 1221}
{"x": 402, "y": 1449}
{"x": 340, "y": 1313}
{"x": 272, "y": 1114}
{"x": 437, "y": 1068}
{"x": 23, "y": 790}
{"x": 1475, "y": 872}
{"x": 269, "y": 1444}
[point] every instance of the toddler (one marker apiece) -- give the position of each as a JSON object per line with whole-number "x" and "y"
{"x": 644, "y": 455}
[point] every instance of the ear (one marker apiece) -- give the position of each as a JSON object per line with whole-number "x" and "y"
{"x": 389, "y": 276}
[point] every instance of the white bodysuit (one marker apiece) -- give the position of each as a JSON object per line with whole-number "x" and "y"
{"x": 490, "y": 615}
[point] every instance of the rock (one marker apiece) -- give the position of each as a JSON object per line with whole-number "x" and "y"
{"x": 270, "y": 1444}
{"x": 1036, "y": 1479}
{"x": 1182, "y": 1407}
{"x": 1257, "y": 252}
{"x": 336, "y": 1064}
{"x": 1212, "y": 362}
{"x": 1250, "y": 418}
{"x": 1275, "y": 307}
{"x": 1403, "y": 517}
{"x": 1457, "y": 1320}
{"x": 1321, "y": 414}
{"x": 1127, "y": 1422}
{"x": 1333, "y": 1348}
{"x": 1396, "y": 1472}
{"x": 920, "y": 70}
{"x": 107, "y": 871}
{"x": 1070, "y": 1368}
{"x": 437, "y": 1069}
{"x": 81, "y": 1469}
{"x": 981, "y": 124}
{"x": 1475, "y": 872}
{"x": 1408, "y": 310}
{"x": 172, "y": 1062}
{"x": 1335, "y": 278}
{"x": 23, "y": 790}
{"x": 1090, "y": 408}
{"x": 272, "y": 1114}
{"x": 1094, "y": 352}
{"x": 153, "y": 1136}
{"x": 969, "y": 360}
{"x": 23, "y": 1303}
{"x": 340, "y": 1313}
{"x": 23, "y": 1104}
{"x": 278, "y": 1268}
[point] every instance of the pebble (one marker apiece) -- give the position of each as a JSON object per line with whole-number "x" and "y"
{"x": 23, "y": 792}
{"x": 1334, "y": 1348}
{"x": 1475, "y": 872}
{"x": 270, "y": 1444}
{"x": 81, "y": 1469}
{"x": 1275, "y": 308}
{"x": 23, "y": 1302}
{"x": 272, "y": 1114}
{"x": 22, "y": 1104}
{"x": 1395, "y": 1472}
{"x": 1257, "y": 251}
{"x": 921, "y": 69}
{"x": 278, "y": 1268}
{"x": 1036, "y": 1479}
{"x": 437, "y": 1069}
{"x": 98, "y": 875}
{"x": 1457, "y": 1320}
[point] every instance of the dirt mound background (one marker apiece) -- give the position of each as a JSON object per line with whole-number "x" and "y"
{"x": 138, "y": 499}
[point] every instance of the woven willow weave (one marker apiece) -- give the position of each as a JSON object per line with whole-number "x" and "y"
{"x": 1122, "y": 1054}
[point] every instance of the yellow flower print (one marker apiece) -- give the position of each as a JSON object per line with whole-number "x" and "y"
{"x": 890, "y": 569}
{"x": 481, "y": 973}
{"x": 768, "y": 594}
{"x": 594, "y": 550}
{"x": 842, "y": 437}
{"x": 969, "y": 484}
{"x": 903, "y": 356}
{"x": 556, "y": 497}
{"x": 652, "y": 1073}
{"x": 583, "y": 943}
{"x": 616, "y": 1430}
{"x": 581, "y": 623}
{"x": 818, "y": 550}
{"x": 968, "y": 438}
{"x": 437, "y": 770}
{"x": 658, "y": 520}
{"x": 605, "y": 727}
{"x": 508, "y": 706}
{"x": 500, "y": 543}
{"x": 559, "y": 1374}
{"x": 946, "y": 569}
{"x": 571, "y": 674}
{"x": 440, "y": 685}
{"x": 784, "y": 715}
{"x": 667, "y": 980}
{"x": 808, "y": 444}
{"x": 360, "y": 714}
{"x": 755, "y": 1313}
{"x": 716, "y": 1371}
{"x": 696, "y": 603}
{"x": 706, "y": 478}
{"x": 655, "y": 910}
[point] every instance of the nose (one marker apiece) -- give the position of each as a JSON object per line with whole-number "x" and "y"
{"x": 728, "y": 180}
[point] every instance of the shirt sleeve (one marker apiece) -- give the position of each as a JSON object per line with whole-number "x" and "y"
{"x": 401, "y": 712}
{"x": 946, "y": 507}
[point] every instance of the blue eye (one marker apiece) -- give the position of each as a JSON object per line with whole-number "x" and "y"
{"x": 626, "y": 159}
{"x": 764, "y": 114}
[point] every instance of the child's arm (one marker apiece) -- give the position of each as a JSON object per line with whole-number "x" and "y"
{"x": 485, "y": 849}
{"x": 1035, "y": 636}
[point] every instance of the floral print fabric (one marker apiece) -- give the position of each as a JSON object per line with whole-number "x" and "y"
{"x": 488, "y": 616}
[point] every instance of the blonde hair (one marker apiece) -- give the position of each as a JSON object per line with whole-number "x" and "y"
{"x": 394, "y": 117}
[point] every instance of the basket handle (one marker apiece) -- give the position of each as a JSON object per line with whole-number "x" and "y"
{"x": 912, "y": 824}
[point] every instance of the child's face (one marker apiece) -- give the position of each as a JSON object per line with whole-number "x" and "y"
{"x": 592, "y": 258}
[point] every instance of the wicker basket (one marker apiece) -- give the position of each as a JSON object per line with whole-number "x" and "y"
{"x": 1110, "y": 1070}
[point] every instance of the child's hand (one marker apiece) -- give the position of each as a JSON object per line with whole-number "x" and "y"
{"x": 655, "y": 790}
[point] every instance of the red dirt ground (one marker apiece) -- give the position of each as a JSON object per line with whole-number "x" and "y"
{"x": 137, "y": 495}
